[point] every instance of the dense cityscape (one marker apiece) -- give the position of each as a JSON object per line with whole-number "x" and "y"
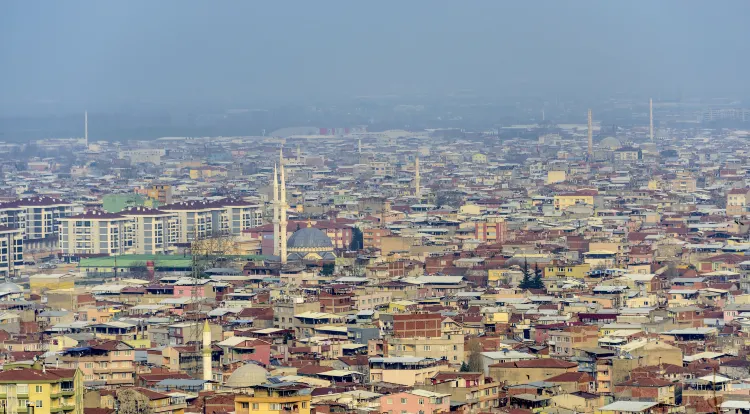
{"x": 546, "y": 268}
{"x": 392, "y": 207}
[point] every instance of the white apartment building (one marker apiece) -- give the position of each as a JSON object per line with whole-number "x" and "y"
{"x": 197, "y": 219}
{"x": 96, "y": 233}
{"x": 201, "y": 219}
{"x": 154, "y": 231}
{"x": 37, "y": 217}
{"x": 241, "y": 215}
{"x": 11, "y": 251}
{"x": 143, "y": 155}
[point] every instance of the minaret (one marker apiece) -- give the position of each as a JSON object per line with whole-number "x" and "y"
{"x": 651, "y": 119}
{"x": 86, "y": 128}
{"x": 207, "y": 374}
{"x": 299, "y": 155}
{"x": 282, "y": 209}
{"x": 417, "y": 188}
{"x": 359, "y": 145}
{"x": 591, "y": 139}
{"x": 276, "y": 243}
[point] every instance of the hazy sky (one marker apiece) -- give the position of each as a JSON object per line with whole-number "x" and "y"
{"x": 75, "y": 54}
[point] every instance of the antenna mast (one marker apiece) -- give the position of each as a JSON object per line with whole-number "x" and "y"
{"x": 651, "y": 119}
{"x": 591, "y": 140}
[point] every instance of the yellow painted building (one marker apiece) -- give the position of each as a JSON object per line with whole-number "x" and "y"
{"x": 48, "y": 391}
{"x": 207, "y": 172}
{"x": 563, "y": 201}
{"x": 479, "y": 158}
{"x": 400, "y": 306}
{"x": 273, "y": 399}
{"x": 43, "y": 282}
{"x": 554, "y": 177}
{"x": 576, "y": 271}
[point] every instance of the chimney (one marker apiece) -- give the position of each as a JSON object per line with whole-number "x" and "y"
{"x": 150, "y": 268}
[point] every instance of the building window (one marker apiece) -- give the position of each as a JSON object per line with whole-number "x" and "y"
{"x": 244, "y": 405}
{"x": 421, "y": 401}
{"x": 256, "y": 406}
{"x": 38, "y": 403}
{"x": 403, "y": 401}
{"x": 38, "y": 388}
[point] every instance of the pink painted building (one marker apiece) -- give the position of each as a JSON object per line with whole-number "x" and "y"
{"x": 240, "y": 348}
{"x": 198, "y": 288}
{"x": 415, "y": 402}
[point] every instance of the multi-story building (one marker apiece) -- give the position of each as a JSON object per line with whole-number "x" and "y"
{"x": 41, "y": 391}
{"x": 737, "y": 201}
{"x": 143, "y": 155}
{"x": 11, "y": 251}
{"x": 415, "y": 401}
{"x": 628, "y": 154}
{"x": 575, "y": 271}
{"x": 161, "y": 193}
{"x": 273, "y": 399}
{"x": 372, "y": 237}
{"x": 409, "y": 371}
{"x": 285, "y": 308}
{"x": 305, "y": 323}
{"x": 38, "y": 217}
{"x": 103, "y": 364}
{"x": 449, "y": 346}
{"x": 241, "y": 215}
{"x": 564, "y": 342}
{"x": 479, "y": 392}
{"x": 492, "y": 230}
{"x": 96, "y": 233}
{"x": 565, "y": 200}
{"x": 158, "y": 403}
{"x": 154, "y": 231}
{"x": 197, "y": 219}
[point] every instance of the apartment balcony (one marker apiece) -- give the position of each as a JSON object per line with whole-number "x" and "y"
{"x": 169, "y": 408}
{"x": 120, "y": 381}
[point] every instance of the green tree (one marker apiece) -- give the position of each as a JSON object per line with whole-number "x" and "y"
{"x": 358, "y": 239}
{"x": 537, "y": 282}
{"x": 327, "y": 269}
{"x": 464, "y": 367}
{"x": 526, "y": 281}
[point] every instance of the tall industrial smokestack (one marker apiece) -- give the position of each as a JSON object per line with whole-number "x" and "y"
{"x": 86, "y": 128}
{"x": 651, "y": 119}
{"x": 417, "y": 186}
{"x": 591, "y": 137}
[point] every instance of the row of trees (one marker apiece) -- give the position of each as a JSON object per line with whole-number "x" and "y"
{"x": 531, "y": 280}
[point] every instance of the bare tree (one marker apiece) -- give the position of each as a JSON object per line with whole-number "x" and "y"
{"x": 210, "y": 252}
{"x": 475, "y": 355}
{"x": 130, "y": 401}
{"x": 139, "y": 270}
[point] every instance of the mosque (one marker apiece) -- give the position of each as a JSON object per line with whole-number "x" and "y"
{"x": 307, "y": 244}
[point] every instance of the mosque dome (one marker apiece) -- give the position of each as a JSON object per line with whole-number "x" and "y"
{"x": 248, "y": 375}
{"x": 310, "y": 244}
{"x": 9, "y": 288}
{"x": 309, "y": 239}
{"x": 610, "y": 143}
